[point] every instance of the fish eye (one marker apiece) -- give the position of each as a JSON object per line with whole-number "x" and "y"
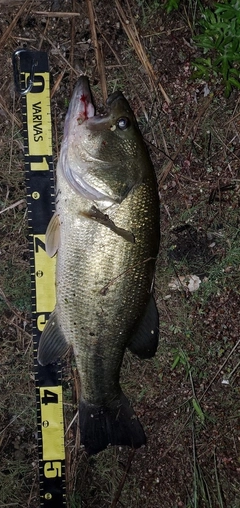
{"x": 123, "y": 123}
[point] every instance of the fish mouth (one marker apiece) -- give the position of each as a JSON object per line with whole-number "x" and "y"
{"x": 81, "y": 105}
{"x": 81, "y": 110}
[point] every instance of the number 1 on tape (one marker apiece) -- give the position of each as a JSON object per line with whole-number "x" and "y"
{"x": 32, "y": 82}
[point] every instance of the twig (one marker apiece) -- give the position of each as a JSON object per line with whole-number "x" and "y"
{"x": 58, "y": 52}
{"x": 199, "y": 400}
{"x": 134, "y": 38}
{"x": 56, "y": 134}
{"x": 12, "y": 135}
{"x": 71, "y": 423}
{"x": 21, "y": 330}
{"x": 21, "y": 201}
{"x": 195, "y": 123}
{"x": 13, "y": 118}
{"x": 10, "y": 28}
{"x": 32, "y": 492}
{"x": 52, "y": 14}
{"x": 72, "y": 47}
{"x": 72, "y": 452}
{"x": 43, "y": 35}
{"x": 13, "y": 420}
{"x": 98, "y": 50}
{"x": 57, "y": 83}
{"x": 2, "y": 294}
{"x": 121, "y": 484}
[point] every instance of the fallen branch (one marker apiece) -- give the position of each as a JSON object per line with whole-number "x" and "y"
{"x": 191, "y": 128}
{"x": 10, "y": 28}
{"x": 51, "y": 14}
{"x": 14, "y": 205}
{"x": 98, "y": 50}
{"x": 130, "y": 29}
{"x": 121, "y": 484}
{"x": 13, "y": 118}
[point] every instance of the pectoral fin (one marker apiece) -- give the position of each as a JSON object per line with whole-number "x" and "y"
{"x": 52, "y": 343}
{"x": 105, "y": 220}
{"x": 53, "y": 235}
{"x": 144, "y": 341}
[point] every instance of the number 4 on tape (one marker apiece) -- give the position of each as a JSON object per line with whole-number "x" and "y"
{"x": 51, "y": 414}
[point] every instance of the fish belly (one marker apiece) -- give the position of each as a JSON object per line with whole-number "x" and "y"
{"x": 103, "y": 286}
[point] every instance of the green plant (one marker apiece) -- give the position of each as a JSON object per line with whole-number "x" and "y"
{"x": 180, "y": 358}
{"x": 171, "y": 5}
{"x": 75, "y": 500}
{"x": 15, "y": 278}
{"x": 220, "y": 40}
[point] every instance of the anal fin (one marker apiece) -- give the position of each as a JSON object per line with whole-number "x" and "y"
{"x": 144, "y": 341}
{"x": 52, "y": 343}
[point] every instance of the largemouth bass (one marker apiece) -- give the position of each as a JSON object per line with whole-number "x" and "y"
{"x": 106, "y": 235}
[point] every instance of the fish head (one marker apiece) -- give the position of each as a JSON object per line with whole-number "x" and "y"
{"x": 103, "y": 157}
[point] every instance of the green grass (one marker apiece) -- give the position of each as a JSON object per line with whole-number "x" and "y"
{"x": 16, "y": 280}
{"x": 190, "y": 416}
{"x": 216, "y": 33}
{"x": 18, "y": 467}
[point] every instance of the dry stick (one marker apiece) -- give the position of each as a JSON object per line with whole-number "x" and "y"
{"x": 57, "y": 83}
{"x": 98, "y": 50}
{"x": 234, "y": 116}
{"x": 58, "y": 53}
{"x": 72, "y": 47}
{"x": 14, "y": 119}
{"x": 126, "y": 74}
{"x": 7, "y": 32}
{"x": 134, "y": 38}
{"x": 56, "y": 133}
{"x": 164, "y": 140}
{"x": 32, "y": 492}
{"x": 72, "y": 455}
{"x": 199, "y": 399}
{"x": 13, "y": 205}
{"x": 224, "y": 144}
{"x": 43, "y": 35}
{"x": 77, "y": 388}
{"x": 61, "y": 56}
{"x": 121, "y": 484}
{"x": 22, "y": 331}
{"x": 189, "y": 130}
{"x": 51, "y": 14}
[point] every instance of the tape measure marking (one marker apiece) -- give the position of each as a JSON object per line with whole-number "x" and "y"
{"x": 44, "y": 276}
{"x": 32, "y": 80}
{"x": 52, "y": 432}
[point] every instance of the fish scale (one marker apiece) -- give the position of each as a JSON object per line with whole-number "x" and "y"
{"x": 105, "y": 266}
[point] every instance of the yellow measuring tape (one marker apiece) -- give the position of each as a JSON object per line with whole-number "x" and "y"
{"x": 32, "y": 82}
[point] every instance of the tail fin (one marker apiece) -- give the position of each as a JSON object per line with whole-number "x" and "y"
{"x": 116, "y": 424}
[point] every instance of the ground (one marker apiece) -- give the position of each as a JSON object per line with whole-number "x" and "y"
{"x": 187, "y": 397}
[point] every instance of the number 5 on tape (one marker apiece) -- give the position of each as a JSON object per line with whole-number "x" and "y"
{"x": 51, "y": 416}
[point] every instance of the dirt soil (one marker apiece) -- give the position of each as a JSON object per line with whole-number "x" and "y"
{"x": 187, "y": 397}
